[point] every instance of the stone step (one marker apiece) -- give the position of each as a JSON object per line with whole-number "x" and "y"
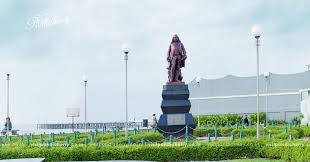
{"x": 175, "y": 106}
{"x": 175, "y": 95}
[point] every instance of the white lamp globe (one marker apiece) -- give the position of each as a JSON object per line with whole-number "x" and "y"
{"x": 266, "y": 74}
{"x": 257, "y": 31}
{"x": 125, "y": 48}
{"x": 85, "y": 78}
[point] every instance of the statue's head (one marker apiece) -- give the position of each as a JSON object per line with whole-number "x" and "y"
{"x": 175, "y": 38}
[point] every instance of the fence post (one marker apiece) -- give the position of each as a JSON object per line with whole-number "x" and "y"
{"x": 142, "y": 141}
{"x": 0, "y": 141}
{"x": 22, "y": 138}
{"x": 186, "y": 131}
{"x": 48, "y": 144}
{"x": 68, "y": 140}
{"x": 103, "y": 131}
{"x": 265, "y": 132}
{"x": 209, "y": 137}
{"x": 272, "y": 123}
{"x": 285, "y": 130}
{"x": 28, "y": 139}
{"x": 289, "y": 125}
{"x": 41, "y": 138}
{"x": 138, "y": 129}
{"x": 291, "y": 137}
{"x": 215, "y": 133}
{"x": 232, "y": 137}
{"x": 74, "y": 136}
{"x": 92, "y": 137}
{"x": 10, "y": 139}
{"x": 134, "y": 131}
{"x": 129, "y": 140}
{"x": 114, "y": 134}
{"x": 86, "y": 141}
{"x": 170, "y": 139}
{"x": 241, "y": 135}
{"x": 187, "y": 140}
{"x": 269, "y": 135}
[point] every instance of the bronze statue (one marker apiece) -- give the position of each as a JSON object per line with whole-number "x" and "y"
{"x": 176, "y": 58}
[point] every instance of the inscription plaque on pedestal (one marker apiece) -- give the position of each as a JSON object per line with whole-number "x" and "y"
{"x": 176, "y": 119}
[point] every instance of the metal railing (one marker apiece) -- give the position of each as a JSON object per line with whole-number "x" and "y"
{"x": 90, "y": 125}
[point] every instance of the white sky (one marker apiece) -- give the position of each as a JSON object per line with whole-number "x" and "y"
{"x": 47, "y": 64}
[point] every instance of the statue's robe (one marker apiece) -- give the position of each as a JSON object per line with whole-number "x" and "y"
{"x": 176, "y": 57}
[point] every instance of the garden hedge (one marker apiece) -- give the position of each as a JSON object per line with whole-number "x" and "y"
{"x": 277, "y": 132}
{"x": 198, "y": 151}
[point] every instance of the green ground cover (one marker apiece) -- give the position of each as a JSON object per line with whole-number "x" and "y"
{"x": 153, "y": 146}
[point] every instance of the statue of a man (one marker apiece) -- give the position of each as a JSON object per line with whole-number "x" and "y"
{"x": 176, "y": 58}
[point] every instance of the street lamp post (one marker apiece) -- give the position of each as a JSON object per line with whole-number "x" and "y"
{"x": 267, "y": 79}
{"x": 85, "y": 79}
{"x": 198, "y": 79}
{"x": 257, "y": 32}
{"x": 8, "y": 105}
{"x": 125, "y": 49}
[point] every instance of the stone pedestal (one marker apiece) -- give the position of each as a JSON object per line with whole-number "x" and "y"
{"x": 175, "y": 107}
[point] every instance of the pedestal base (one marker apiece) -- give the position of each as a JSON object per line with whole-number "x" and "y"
{"x": 175, "y": 107}
{"x": 175, "y": 124}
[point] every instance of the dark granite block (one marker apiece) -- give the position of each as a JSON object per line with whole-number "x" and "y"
{"x": 175, "y": 106}
{"x": 175, "y": 94}
{"x": 176, "y": 87}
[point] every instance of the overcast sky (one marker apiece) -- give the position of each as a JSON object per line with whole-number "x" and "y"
{"x": 47, "y": 63}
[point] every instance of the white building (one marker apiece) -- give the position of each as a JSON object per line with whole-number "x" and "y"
{"x": 280, "y": 95}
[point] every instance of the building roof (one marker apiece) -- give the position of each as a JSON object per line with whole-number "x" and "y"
{"x": 235, "y": 85}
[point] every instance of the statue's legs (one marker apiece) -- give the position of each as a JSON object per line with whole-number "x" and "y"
{"x": 170, "y": 74}
{"x": 172, "y": 70}
{"x": 178, "y": 74}
{"x": 175, "y": 70}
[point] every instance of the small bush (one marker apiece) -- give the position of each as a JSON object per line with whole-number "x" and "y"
{"x": 203, "y": 132}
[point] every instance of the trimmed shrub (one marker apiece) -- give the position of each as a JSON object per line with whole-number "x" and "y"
{"x": 203, "y": 132}
{"x": 197, "y": 151}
